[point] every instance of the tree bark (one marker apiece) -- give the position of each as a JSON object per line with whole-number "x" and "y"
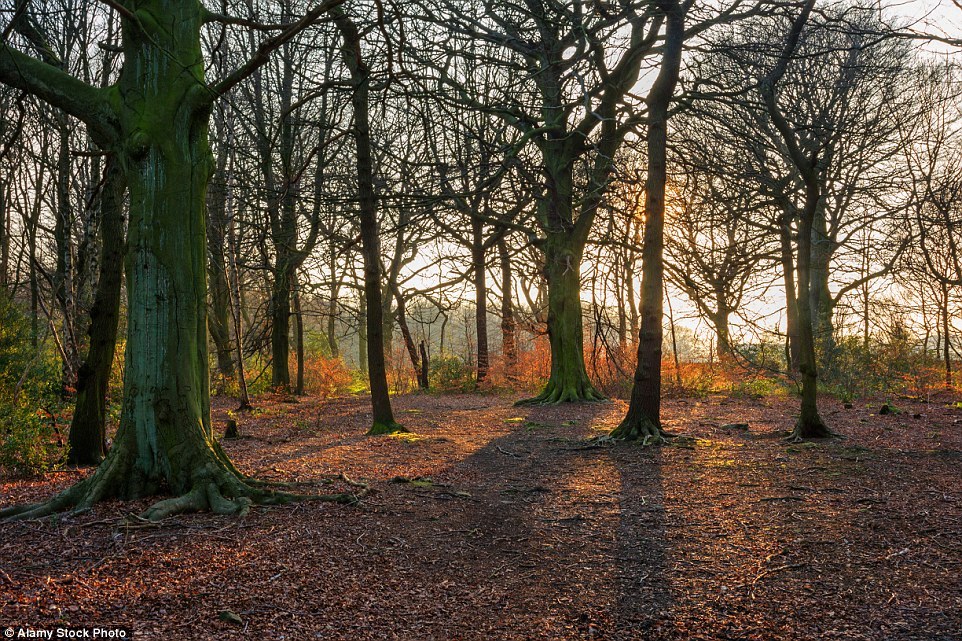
{"x": 481, "y": 297}
{"x": 643, "y": 419}
{"x": 791, "y": 294}
{"x": 383, "y": 415}
{"x": 88, "y": 426}
{"x": 156, "y": 120}
{"x": 509, "y": 343}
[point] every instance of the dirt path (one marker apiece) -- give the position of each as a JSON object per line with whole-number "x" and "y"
{"x": 496, "y": 522}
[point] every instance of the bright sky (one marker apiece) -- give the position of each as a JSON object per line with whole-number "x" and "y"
{"x": 938, "y": 17}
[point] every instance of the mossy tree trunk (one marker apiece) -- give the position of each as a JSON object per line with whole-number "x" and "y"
{"x": 156, "y": 119}
{"x": 88, "y": 425}
{"x": 643, "y": 419}
{"x": 563, "y": 247}
{"x": 569, "y": 380}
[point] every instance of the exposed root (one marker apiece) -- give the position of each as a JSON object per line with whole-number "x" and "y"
{"x": 217, "y": 488}
{"x": 643, "y": 429}
{"x": 810, "y": 430}
{"x": 232, "y": 496}
{"x": 262, "y": 483}
{"x": 555, "y": 394}
{"x": 378, "y": 429}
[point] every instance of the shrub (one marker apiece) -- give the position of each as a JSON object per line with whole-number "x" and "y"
{"x": 449, "y": 373}
{"x": 891, "y": 367}
{"x": 29, "y": 380}
{"x": 29, "y": 445}
{"x": 325, "y": 376}
{"x": 758, "y": 387}
{"x": 690, "y": 379}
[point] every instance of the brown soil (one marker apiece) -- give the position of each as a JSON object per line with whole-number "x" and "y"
{"x": 513, "y": 528}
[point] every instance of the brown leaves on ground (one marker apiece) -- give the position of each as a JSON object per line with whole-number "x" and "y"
{"x": 494, "y": 522}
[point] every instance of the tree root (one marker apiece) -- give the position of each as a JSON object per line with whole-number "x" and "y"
{"x": 554, "y": 394}
{"x": 216, "y": 487}
{"x": 643, "y": 429}
{"x": 810, "y": 430}
{"x": 378, "y": 429}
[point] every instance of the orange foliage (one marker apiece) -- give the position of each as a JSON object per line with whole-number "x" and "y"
{"x": 529, "y": 374}
{"x": 323, "y": 376}
{"x": 922, "y": 381}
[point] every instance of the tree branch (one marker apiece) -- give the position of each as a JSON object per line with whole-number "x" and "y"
{"x": 59, "y": 89}
{"x": 262, "y": 55}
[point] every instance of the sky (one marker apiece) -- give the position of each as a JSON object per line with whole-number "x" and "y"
{"x": 938, "y": 17}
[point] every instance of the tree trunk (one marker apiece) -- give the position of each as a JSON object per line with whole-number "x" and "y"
{"x": 792, "y": 357}
{"x": 332, "y": 309}
{"x": 569, "y": 380}
{"x": 509, "y": 344}
{"x": 298, "y": 339}
{"x": 383, "y": 415}
{"x": 283, "y": 217}
{"x": 423, "y": 380}
{"x": 643, "y": 419}
{"x": 409, "y": 339}
{"x": 63, "y": 276}
{"x": 88, "y": 426}
{"x": 820, "y": 295}
{"x": 946, "y": 342}
{"x": 362, "y": 334}
{"x": 723, "y": 348}
{"x": 33, "y": 275}
{"x": 4, "y": 237}
{"x": 219, "y": 321}
{"x": 281, "y": 326}
{"x": 481, "y": 297}
{"x": 236, "y": 312}
{"x": 810, "y": 424}
{"x": 165, "y": 442}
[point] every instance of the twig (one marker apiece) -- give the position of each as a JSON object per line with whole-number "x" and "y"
{"x": 507, "y": 453}
{"x": 793, "y": 566}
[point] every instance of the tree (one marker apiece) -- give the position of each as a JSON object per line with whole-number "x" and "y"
{"x": 566, "y": 73}
{"x": 807, "y": 163}
{"x": 352, "y": 53}
{"x": 155, "y": 120}
{"x": 933, "y": 156}
{"x": 643, "y": 419}
{"x": 88, "y": 427}
{"x": 716, "y": 247}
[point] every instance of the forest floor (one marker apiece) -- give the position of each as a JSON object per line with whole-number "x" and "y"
{"x": 496, "y": 522}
